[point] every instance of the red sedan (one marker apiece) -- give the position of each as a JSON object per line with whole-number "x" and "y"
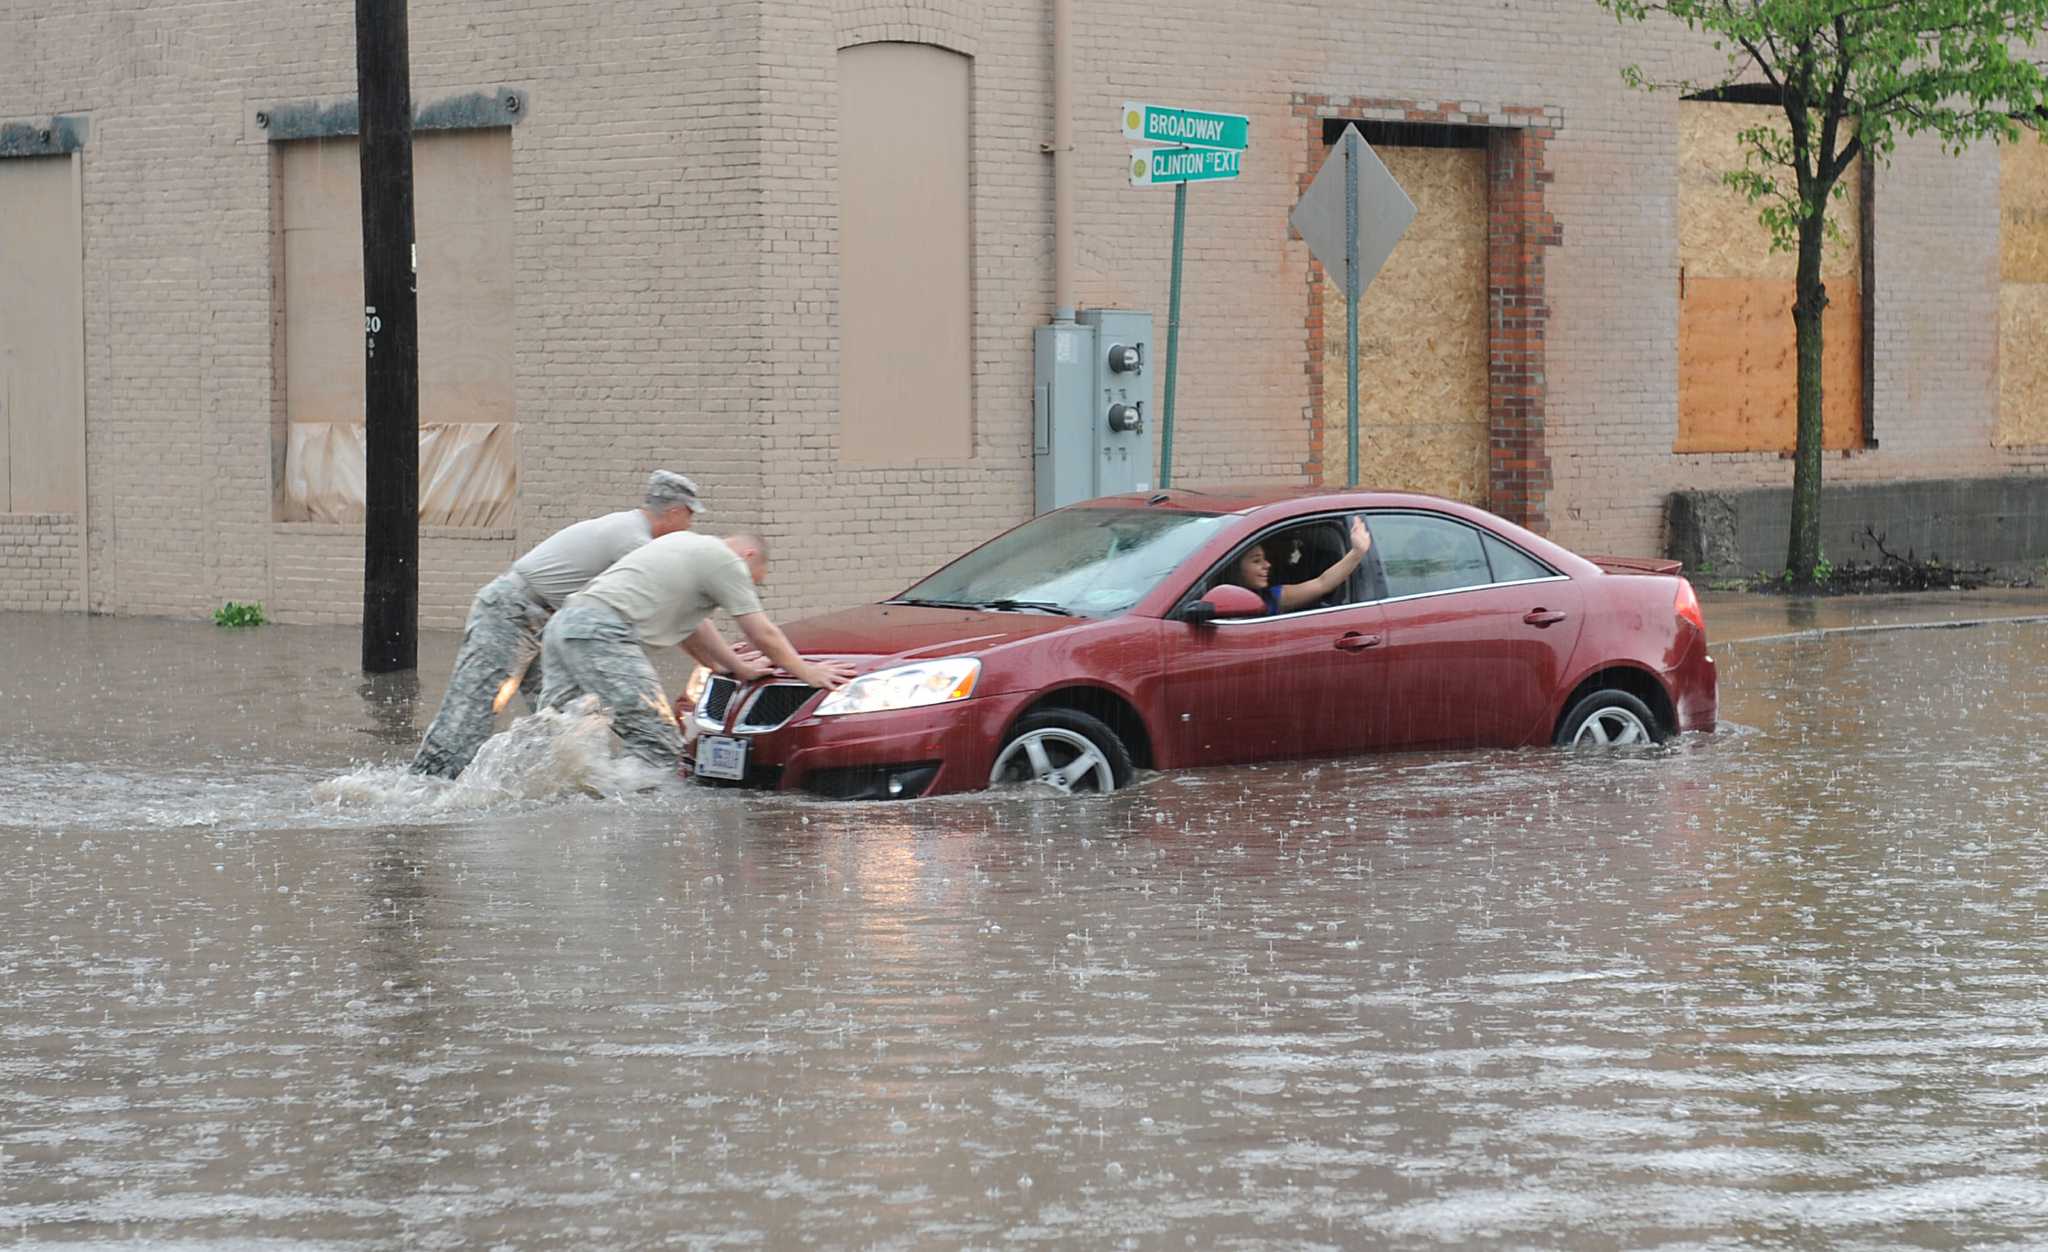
{"x": 1185, "y": 628}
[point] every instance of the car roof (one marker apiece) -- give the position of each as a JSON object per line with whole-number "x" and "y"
{"x": 1249, "y": 497}
{"x": 1267, "y": 503}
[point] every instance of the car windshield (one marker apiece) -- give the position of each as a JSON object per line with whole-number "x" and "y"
{"x": 1092, "y": 562}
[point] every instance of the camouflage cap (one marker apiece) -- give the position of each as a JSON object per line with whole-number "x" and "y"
{"x": 666, "y": 489}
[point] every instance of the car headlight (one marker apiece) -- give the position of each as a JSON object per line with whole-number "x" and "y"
{"x": 693, "y": 690}
{"x": 905, "y": 687}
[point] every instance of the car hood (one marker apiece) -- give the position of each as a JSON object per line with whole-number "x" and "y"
{"x": 878, "y": 635}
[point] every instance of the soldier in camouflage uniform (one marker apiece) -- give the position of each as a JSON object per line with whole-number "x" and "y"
{"x": 661, "y": 595}
{"x": 502, "y": 640}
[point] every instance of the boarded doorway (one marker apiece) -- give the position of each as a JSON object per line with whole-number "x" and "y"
{"x": 1738, "y": 370}
{"x": 42, "y": 345}
{"x": 1424, "y": 410}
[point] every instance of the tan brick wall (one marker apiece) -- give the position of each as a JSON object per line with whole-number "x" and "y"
{"x": 317, "y": 572}
{"x": 39, "y": 561}
{"x": 634, "y": 176}
{"x": 675, "y": 283}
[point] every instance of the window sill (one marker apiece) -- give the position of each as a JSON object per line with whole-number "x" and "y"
{"x": 491, "y": 534}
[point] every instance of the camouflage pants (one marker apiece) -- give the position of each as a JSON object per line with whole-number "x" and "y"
{"x": 588, "y": 649}
{"x": 501, "y": 639}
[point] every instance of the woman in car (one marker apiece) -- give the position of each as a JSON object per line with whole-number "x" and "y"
{"x": 1254, "y": 572}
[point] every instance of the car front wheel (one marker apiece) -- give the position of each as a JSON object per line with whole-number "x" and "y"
{"x": 1065, "y": 749}
{"x": 1609, "y": 719}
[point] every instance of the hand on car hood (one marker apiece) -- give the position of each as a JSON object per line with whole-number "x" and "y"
{"x": 876, "y": 636}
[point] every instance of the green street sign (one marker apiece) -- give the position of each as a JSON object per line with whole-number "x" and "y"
{"x": 1188, "y": 128}
{"x": 1163, "y": 167}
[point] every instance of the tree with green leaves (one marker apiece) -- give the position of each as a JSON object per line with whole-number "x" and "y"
{"x": 1851, "y": 77}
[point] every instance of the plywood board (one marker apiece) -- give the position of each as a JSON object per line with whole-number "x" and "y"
{"x": 1424, "y": 416}
{"x": 2022, "y": 365}
{"x": 1739, "y": 372}
{"x": 1719, "y": 234}
{"x": 2023, "y": 210}
{"x": 2023, "y": 294}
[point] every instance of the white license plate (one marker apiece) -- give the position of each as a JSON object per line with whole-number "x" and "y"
{"x": 720, "y": 757}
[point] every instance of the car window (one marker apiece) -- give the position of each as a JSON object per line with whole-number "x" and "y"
{"x": 1091, "y": 561}
{"x": 1420, "y": 554}
{"x": 1511, "y": 564}
{"x": 1298, "y": 553}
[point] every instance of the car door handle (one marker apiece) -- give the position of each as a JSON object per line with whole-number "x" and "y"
{"x": 1542, "y": 617}
{"x": 1355, "y": 642}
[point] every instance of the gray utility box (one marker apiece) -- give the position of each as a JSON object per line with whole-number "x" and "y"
{"x": 1091, "y": 428}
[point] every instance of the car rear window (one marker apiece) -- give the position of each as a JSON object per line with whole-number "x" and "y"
{"x": 1511, "y": 564}
{"x": 1421, "y": 554}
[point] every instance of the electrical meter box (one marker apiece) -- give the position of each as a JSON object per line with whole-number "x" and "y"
{"x": 1091, "y": 429}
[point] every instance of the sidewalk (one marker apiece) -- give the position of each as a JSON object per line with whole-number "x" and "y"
{"x": 1739, "y": 617}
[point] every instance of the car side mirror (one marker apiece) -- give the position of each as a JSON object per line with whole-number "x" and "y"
{"x": 1227, "y": 601}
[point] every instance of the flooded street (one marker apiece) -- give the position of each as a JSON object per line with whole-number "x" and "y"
{"x": 1778, "y": 986}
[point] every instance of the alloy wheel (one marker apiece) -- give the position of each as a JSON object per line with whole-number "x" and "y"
{"x": 1612, "y": 727}
{"x": 1065, "y": 760}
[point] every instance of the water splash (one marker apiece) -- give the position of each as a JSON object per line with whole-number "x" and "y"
{"x": 551, "y": 755}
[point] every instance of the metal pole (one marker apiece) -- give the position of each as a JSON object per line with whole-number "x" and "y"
{"x": 1180, "y": 224}
{"x": 391, "y": 375}
{"x": 1351, "y": 296}
{"x": 1063, "y": 161}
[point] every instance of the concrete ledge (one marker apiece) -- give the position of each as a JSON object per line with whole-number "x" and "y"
{"x": 1999, "y": 522}
{"x": 316, "y": 530}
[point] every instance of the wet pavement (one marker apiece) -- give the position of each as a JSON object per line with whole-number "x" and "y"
{"x": 1778, "y": 986}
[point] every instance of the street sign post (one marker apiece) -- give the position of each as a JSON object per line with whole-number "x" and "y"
{"x": 1351, "y": 217}
{"x": 1201, "y": 147}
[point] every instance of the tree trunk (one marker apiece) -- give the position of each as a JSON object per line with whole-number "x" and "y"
{"x": 1803, "y": 553}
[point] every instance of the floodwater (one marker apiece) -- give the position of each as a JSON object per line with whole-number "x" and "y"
{"x": 1780, "y": 986}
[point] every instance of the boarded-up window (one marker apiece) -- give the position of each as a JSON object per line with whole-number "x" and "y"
{"x": 2023, "y": 293}
{"x": 462, "y": 217}
{"x": 906, "y": 318}
{"x": 1424, "y": 413}
{"x": 1738, "y": 369}
{"x": 42, "y": 352}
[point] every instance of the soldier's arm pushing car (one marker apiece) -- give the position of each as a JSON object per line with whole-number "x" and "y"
{"x": 708, "y": 648}
{"x": 769, "y": 640}
{"x": 764, "y": 634}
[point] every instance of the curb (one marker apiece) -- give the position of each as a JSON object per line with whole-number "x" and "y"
{"x": 1822, "y": 632}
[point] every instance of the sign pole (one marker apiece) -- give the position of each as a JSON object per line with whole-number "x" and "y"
{"x": 1180, "y": 220}
{"x": 1351, "y": 293}
{"x": 391, "y": 409}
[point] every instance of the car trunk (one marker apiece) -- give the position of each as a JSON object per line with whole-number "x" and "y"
{"x": 1636, "y": 564}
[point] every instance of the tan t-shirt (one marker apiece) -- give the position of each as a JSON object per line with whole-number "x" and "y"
{"x": 565, "y": 562}
{"x": 666, "y": 587}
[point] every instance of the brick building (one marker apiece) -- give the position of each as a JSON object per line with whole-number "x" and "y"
{"x": 632, "y": 220}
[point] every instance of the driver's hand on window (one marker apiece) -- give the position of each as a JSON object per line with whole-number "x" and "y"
{"x": 1361, "y": 538}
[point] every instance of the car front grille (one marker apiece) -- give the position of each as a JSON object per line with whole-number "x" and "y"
{"x": 774, "y": 705}
{"x": 717, "y": 698}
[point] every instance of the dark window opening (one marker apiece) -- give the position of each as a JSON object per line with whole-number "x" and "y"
{"x": 1740, "y": 93}
{"x": 1407, "y": 134}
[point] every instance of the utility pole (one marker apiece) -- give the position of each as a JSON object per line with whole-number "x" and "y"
{"x": 391, "y": 393}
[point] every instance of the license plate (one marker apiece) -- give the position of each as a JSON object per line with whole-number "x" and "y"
{"x": 720, "y": 757}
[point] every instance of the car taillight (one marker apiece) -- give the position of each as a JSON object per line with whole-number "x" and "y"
{"x": 1687, "y": 606}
